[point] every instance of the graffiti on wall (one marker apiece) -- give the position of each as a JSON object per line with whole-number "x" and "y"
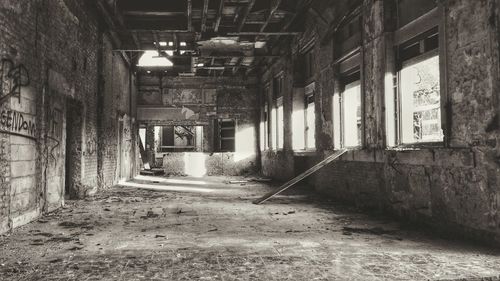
{"x": 54, "y": 133}
{"x": 17, "y": 123}
{"x": 12, "y": 78}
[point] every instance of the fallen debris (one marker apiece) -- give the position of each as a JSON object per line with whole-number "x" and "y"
{"x": 261, "y": 179}
{"x": 238, "y": 181}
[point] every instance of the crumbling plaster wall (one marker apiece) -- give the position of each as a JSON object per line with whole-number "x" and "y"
{"x": 50, "y": 53}
{"x": 116, "y": 118}
{"x": 455, "y": 188}
{"x": 200, "y": 101}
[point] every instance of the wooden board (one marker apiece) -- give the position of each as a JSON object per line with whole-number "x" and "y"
{"x": 302, "y": 176}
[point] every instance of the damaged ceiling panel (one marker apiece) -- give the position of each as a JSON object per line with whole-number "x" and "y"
{"x": 206, "y": 37}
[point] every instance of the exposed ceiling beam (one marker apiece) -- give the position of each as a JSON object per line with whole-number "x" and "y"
{"x": 222, "y": 67}
{"x": 153, "y": 13}
{"x": 219, "y": 16}
{"x": 160, "y": 30}
{"x": 301, "y": 5}
{"x": 204, "y": 16}
{"x": 136, "y": 40}
{"x": 110, "y": 21}
{"x": 190, "y": 15}
{"x": 271, "y": 14}
{"x": 280, "y": 33}
{"x": 245, "y": 15}
{"x": 203, "y": 57}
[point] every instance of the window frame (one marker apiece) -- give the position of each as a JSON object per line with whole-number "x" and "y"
{"x": 424, "y": 53}
{"x": 435, "y": 18}
{"x": 219, "y": 138}
{"x": 161, "y": 148}
{"x": 347, "y": 78}
{"x": 309, "y": 93}
{"x": 277, "y": 102}
{"x": 347, "y": 66}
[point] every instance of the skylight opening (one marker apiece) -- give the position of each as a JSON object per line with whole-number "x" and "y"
{"x": 153, "y": 59}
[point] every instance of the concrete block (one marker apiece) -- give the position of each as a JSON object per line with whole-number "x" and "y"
{"x": 23, "y": 185}
{"x": 22, "y": 168}
{"x": 23, "y": 152}
{"x": 25, "y": 218}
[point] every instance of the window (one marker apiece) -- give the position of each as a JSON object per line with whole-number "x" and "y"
{"x": 264, "y": 142}
{"x": 178, "y": 138}
{"x": 418, "y": 101}
{"x": 348, "y": 111}
{"x": 225, "y": 135}
{"x": 142, "y": 137}
{"x": 280, "y": 128}
{"x": 310, "y": 118}
{"x": 277, "y": 116}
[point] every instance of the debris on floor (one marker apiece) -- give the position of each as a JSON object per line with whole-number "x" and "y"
{"x": 221, "y": 237}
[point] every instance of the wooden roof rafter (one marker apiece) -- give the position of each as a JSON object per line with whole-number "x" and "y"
{"x": 245, "y": 15}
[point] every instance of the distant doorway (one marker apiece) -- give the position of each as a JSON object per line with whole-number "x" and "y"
{"x": 73, "y": 149}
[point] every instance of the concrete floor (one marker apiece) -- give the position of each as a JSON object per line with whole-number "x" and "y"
{"x": 207, "y": 229}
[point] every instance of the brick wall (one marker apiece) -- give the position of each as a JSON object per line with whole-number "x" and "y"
{"x": 54, "y": 47}
{"x": 453, "y": 188}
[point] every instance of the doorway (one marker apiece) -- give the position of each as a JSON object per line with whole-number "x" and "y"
{"x": 73, "y": 149}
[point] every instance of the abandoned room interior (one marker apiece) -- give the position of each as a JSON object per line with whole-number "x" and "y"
{"x": 138, "y": 138}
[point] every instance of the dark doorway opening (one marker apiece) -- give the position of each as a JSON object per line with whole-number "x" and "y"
{"x": 73, "y": 149}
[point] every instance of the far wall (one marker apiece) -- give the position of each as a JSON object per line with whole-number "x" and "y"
{"x": 199, "y": 101}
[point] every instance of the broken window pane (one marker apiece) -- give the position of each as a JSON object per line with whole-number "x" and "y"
{"x": 178, "y": 138}
{"x": 420, "y": 100}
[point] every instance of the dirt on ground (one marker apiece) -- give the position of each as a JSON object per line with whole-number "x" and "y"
{"x": 158, "y": 228}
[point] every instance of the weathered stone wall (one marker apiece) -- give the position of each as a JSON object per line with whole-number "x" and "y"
{"x": 200, "y": 101}
{"x": 49, "y": 53}
{"x": 454, "y": 188}
{"x": 116, "y": 124}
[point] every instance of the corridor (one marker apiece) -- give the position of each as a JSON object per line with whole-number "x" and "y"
{"x": 181, "y": 228}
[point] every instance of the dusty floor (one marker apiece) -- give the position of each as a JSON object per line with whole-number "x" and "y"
{"x": 192, "y": 229}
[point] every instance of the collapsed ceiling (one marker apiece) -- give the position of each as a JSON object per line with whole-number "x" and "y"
{"x": 205, "y": 37}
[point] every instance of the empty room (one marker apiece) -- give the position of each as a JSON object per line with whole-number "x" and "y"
{"x": 250, "y": 140}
